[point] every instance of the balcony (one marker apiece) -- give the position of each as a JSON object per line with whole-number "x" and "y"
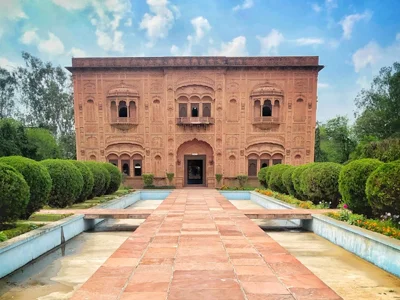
{"x": 124, "y": 123}
{"x": 194, "y": 121}
{"x": 266, "y": 122}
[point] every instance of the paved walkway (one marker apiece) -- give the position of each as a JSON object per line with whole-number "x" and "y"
{"x": 197, "y": 245}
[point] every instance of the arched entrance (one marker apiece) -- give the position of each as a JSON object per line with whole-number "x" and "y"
{"x": 195, "y": 163}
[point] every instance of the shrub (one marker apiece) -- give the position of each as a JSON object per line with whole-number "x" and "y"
{"x": 386, "y": 150}
{"x": 218, "y": 177}
{"x": 38, "y": 179}
{"x": 319, "y": 182}
{"x": 383, "y": 189}
{"x": 14, "y": 194}
{"x": 170, "y": 177}
{"x": 268, "y": 175}
{"x": 99, "y": 178}
{"x": 296, "y": 178}
{"x": 352, "y": 180}
{"x": 148, "y": 179}
{"x": 261, "y": 176}
{"x": 275, "y": 181}
{"x": 88, "y": 180}
{"x": 242, "y": 180}
{"x": 115, "y": 178}
{"x": 288, "y": 182}
{"x": 67, "y": 182}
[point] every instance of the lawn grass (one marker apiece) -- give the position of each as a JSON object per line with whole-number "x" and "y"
{"x": 36, "y": 217}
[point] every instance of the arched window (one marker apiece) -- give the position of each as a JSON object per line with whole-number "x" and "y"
{"x": 232, "y": 166}
{"x": 264, "y": 164}
{"x": 233, "y": 110}
{"x": 113, "y": 111}
{"x": 132, "y": 110}
{"x": 122, "y": 110}
{"x": 125, "y": 168}
{"x": 138, "y": 169}
{"x": 206, "y": 109}
{"x": 156, "y": 111}
{"x": 299, "y": 110}
{"x": 257, "y": 109}
{"x": 195, "y": 111}
{"x": 182, "y": 110}
{"x": 266, "y": 109}
{"x": 297, "y": 160}
{"x": 276, "y": 111}
{"x": 90, "y": 111}
{"x": 252, "y": 167}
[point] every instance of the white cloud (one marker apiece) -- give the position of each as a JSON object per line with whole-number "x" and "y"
{"x": 309, "y": 41}
{"x": 322, "y": 85}
{"x": 6, "y": 64}
{"x": 159, "y": 21}
{"x": 330, "y": 4}
{"x": 271, "y": 42}
{"x": 175, "y": 50}
{"x": 201, "y": 27}
{"x": 10, "y": 11}
{"x": 245, "y": 5}
{"x": 106, "y": 16}
{"x": 76, "y": 52}
{"x": 370, "y": 54}
{"x": 368, "y": 60}
{"x": 398, "y": 37}
{"x": 349, "y": 21}
{"x": 51, "y": 46}
{"x": 236, "y": 47}
{"x": 316, "y": 7}
{"x": 30, "y": 37}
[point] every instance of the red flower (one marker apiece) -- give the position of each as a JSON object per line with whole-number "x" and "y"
{"x": 345, "y": 206}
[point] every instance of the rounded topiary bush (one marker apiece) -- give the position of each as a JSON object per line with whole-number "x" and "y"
{"x": 38, "y": 179}
{"x": 287, "y": 180}
{"x": 67, "y": 182}
{"x": 383, "y": 189}
{"x": 261, "y": 176}
{"x": 296, "y": 178}
{"x": 14, "y": 194}
{"x": 352, "y": 181}
{"x": 275, "y": 181}
{"x": 98, "y": 176}
{"x": 115, "y": 178}
{"x": 320, "y": 182}
{"x": 268, "y": 175}
{"x": 88, "y": 180}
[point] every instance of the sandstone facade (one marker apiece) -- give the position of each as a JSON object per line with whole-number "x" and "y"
{"x": 195, "y": 116}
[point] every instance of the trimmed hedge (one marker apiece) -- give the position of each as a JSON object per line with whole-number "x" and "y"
{"x": 88, "y": 180}
{"x": 352, "y": 182}
{"x": 320, "y": 182}
{"x": 296, "y": 179}
{"x": 288, "y": 182}
{"x": 67, "y": 182}
{"x": 115, "y": 178}
{"x": 383, "y": 189}
{"x": 98, "y": 176}
{"x": 38, "y": 179}
{"x": 275, "y": 182}
{"x": 148, "y": 179}
{"x": 268, "y": 175}
{"x": 261, "y": 176}
{"x": 107, "y": 177}
{"x": 14, "y": 194}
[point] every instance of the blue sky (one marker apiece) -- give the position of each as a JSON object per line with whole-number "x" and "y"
{"x": 354, "y": 39}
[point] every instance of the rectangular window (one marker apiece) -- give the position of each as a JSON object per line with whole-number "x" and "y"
{"x": 182, "y": 110}
{"x": 252, "y": 167}
{"x": 264, "y": 163}
{"x": 137, "y": 165}
{"x": 276, "y": 161}
{"x": 207, "y": 110}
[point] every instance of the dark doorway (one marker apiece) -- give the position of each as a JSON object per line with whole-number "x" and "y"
{"x": 194, "y": 171}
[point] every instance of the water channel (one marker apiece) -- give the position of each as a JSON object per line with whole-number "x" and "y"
{"x": 59, "y": 273}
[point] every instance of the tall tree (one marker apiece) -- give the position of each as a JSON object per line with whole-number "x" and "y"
{"x": 13, "y": 139}
{"x": 379, "y": 106}
{"x": 46, "y": 92}
{"x": 8, "y": 85}
{"x": 319, "y": 155}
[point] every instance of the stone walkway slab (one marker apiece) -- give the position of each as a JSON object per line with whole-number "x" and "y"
{"x": 197, "y": 245}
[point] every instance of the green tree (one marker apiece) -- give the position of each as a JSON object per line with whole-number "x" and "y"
{"x": 8, "y": 86}
{"x": 46, "y": 144}
{"x": 46, "y": 92}
{"x": 14, "y": 140}
{"x": 337, "y": 140}
{"x": 379, "y": 106}
{"x": 319, "y": 155}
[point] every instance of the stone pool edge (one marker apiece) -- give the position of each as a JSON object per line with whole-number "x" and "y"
{"x": 380, "y": 250}
{"x": 18, "y": 251}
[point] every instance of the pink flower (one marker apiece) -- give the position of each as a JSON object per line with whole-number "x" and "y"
{"x": 345, "y": 206}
